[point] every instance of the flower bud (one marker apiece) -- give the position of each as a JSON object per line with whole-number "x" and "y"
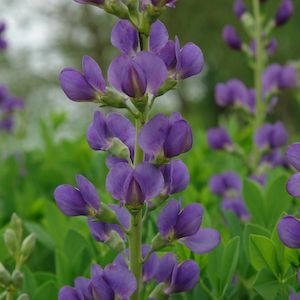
{"x": 11, "y": 241}
{"x": 118, "y": 149}
{"x": 231, "y": 38}
{"x": 28, "y": 246}
{"x": 284, "y": 12}
{"x": 116, "y": 8}
{"x": 239, "y": 8}
{"x": 218, "y": 139}
{"x": 5, "y": 277}
{"x": 23, "y": 297}
{"x": 17, "y": 279}
{"x": 17, "y": 225}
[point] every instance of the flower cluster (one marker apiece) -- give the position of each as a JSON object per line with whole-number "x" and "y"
{"x": 144, "y": 169}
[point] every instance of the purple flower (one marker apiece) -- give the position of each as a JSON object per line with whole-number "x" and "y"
{"x": 178, "y": 277}
{"x": 234, "y": 92}
{"x": 149, "y": 267}
{"x": 293, "y": 155}
{"x": 134, "y": 186}
{"x": 7, "y": 124}
{"x": 81, "y": 291}
{"x": 218, "y": 138}
{"x": 176, "y": 177}
{"x": 270, "y": 47}
{"x": 3, "y": 42}
{"x": 83, "y": 86}
{"x": 294, "y": 296}
{"x": 231, "y": 38}
{"x": 101, "y": 231}
{"x": 239, "y": 8}
{"x": 93, "y": 2}
{"x": 284, "y": 12}
{"x": 271, "y": 136}
{"x": 226, "y": 184}
{"x": 293, "y": 186}
{"x": 260, "y": 179}
{"x": 83, "y": 200}
{"x": 274, "y": 159}
{"x": 168, "y": 136}
{"x": 115, "y": 281}
{"x": 289, "y": 231}
{"x": 184, "y": 225}
{"x": 237, "y": 206}
{"x": 103, "y": 129}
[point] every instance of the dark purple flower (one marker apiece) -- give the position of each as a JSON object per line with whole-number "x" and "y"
{"x": 103, "y": 129}
{"x": 287, "y": 78}
{"x": 176, "y": 177}
{"x": 218, "y": 138}
{"x": 134, "y": 186}
{"x": 3, "y": 42}
{"x": 184, "y": 225}
{"x": 168, "y": 136}
{"x": 289, "y": 231}
{"x": 226, "y": 184}
{"x": 115, "y": 281}
{"x": 271, "y": 136}
{"x": 293, "y": 155}
{"x": 239, "y": 8}
{"x": 149, "y": 267}
{"x": 83, "y": 86}
{"x": 101, "y": 231}
{"x": 134, "y": 76}
{"x": 234, "y": 92}
{"x": 93, "y": 2}
{"x": 83, "y": 200}
{"x": 231, "y": 38}
{"x": 81, "y": 290}
{"x": 284, "y": 12}
{"x": 237, "y": 206}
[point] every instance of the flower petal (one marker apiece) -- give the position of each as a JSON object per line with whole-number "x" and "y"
{"x": 99, "y": 230}
{"x": 165, "y": 268}
{"x": 159, "y": 36}
{"x": 289, "y": 231}
{"x": 293, "y": 155}
{"x": 293, "y": 185}
{"x": 68, "y": 293}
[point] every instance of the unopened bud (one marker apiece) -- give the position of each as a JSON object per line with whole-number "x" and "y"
{"x": 28, "y": 246}
{"x": 16, "y": 225}
{"x": 118, "y": 149}
{"x": 23, "y": 297}
{"x": 11, "y": 241}
{"x": 5, "y": 277}
{"x": 116, "y": 8}
{"x": 17, "y": 279}
{"x": 115, "y": 242}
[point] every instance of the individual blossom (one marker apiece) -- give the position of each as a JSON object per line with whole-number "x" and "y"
{"x": 237, "y": 206}
{"x": 176, "y": 177}
{"x": 183, "y": 224}
{"x": 271, "y": 136}
{"x": 134, "y": 186}
{"x": 82, "y": 200}
{"x": 149, "y": 267}
{"x": 84, "y": 86}
{"x": 278, "y": 77}
{"x": 293, "y": 157}
{"x": 167, "y": 137}
{"x": 177, "y": 278}
{"x": 231, "y": 38}
{"x": 239, "y": 8}
{"x": 289, "y": 231}
{"x": 80, "y": 291}
{"x": 218, "y": 139}
{"x": 284, "y": 12}
{"x": 3, "y": 42}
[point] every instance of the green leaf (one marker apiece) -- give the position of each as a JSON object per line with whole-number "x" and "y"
{"x": 62, "y": 267}
{"x": 263, "y": 254}
{"x": 46, "y": 291}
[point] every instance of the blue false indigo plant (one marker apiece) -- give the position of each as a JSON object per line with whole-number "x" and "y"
{"x": 144, "y": 169}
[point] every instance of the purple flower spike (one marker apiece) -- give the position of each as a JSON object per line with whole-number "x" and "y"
{"x": 231, "y": 38}
{"x": 134, "y": 186}
{"x": 271, "y": 136}
{"x": 125, "y": 37}
{"x": 293, "y": 155}
{"x": 171, "y": 136}
{"x": 289, "y": 231}
{"x": 190, "y": 60}
{"x": 83, "y": 200}
{"x": 284, "y": 12}
{"x": 239, "y": 8}
{"x": 218, "y": 139}
{"x": 103, "y": 129}
{"x": 176, "y": 177}
{"x": 83, "y": 87}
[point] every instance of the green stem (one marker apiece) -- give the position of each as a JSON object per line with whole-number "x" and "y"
{"x": 10, "y": 295}
{"x": 259, "y": 67}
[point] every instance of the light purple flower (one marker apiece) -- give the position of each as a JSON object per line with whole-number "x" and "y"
{"x": 271, "y": 136}
{"x": 293, "y": 185}
{"x": 239, "y": 8}
{"x": 231, "y": 38}
{"x": 134, "y": 186}
{"x": 218, "y": 138}
{"x": 176, "y": 177}
{"x": 168, "y": 136}
{"x": 237, "y": 206}
{"x": 284, "y": 12}
{"x": 81, "y": 290}
{"x": 289, "y": 231}
{"x": 83, "y": 86}
{"x": 293, "y": 155}
{"x": 82, "y": 200}
{"x": 294, "y": 296}
{"x": 184, "y": 225}
{"x": 103, "y": 129}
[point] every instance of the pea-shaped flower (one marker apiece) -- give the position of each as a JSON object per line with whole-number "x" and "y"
{"x": 183, "y": 224}
{"x": 284, "y": 12}
{"x": 83, "y": 86}
{"x": 231, "y": 38}
{"x": 80, "y": 201}
{"x": 289, "y": 231}
{"x": 293, "y": 157}
{"x": 271, "y": 136}
{"x": 218, "y": 139}
{"x": 165, "y": 136}
{"x": 178, "y": 278}
{"x": 80, "y": 291}
{"x": 134, "y": 186}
